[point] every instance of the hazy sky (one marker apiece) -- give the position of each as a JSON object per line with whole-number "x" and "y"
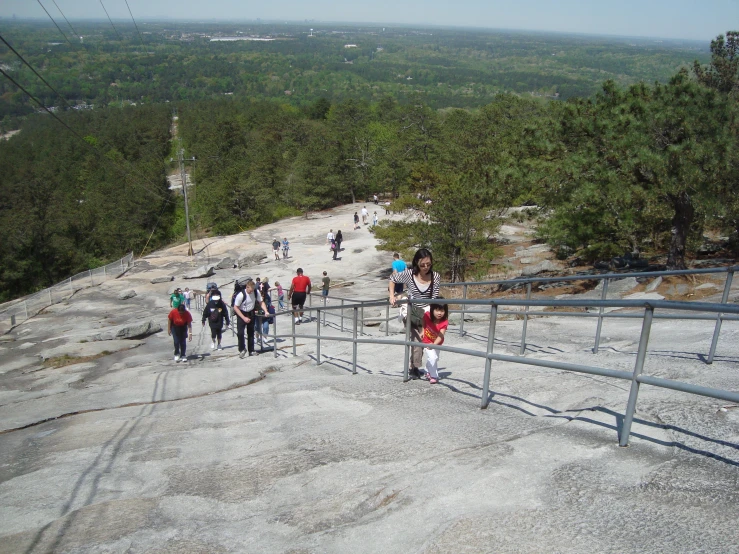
{"x": 691, "y": 19}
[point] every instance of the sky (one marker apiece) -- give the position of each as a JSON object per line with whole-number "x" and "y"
{"x": 682, "y": 19}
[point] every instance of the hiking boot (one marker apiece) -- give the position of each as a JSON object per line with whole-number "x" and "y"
{"x": 242, "y": 353}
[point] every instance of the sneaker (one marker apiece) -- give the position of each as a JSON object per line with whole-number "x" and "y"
{"x": 253, "y": 353}
{"x": 219, "y": 346}
{"x": 433, "y": 380}
{"x": 242, "y": 353}
{"x": 212, "y": 345}
{"x": 176, "y": 358}
{"x": 183, "y": 359}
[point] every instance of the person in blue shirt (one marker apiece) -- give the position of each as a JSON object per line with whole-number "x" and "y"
{"x": 398, "y": 267}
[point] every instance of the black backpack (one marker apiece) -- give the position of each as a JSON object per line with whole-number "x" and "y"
{"x": 215, "y": 314}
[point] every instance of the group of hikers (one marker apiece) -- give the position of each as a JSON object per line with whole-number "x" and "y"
{"x": 251, "y": 307}
{"x": 365, "y": 217}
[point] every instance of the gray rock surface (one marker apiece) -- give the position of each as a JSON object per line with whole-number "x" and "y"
{"x": 132, "y": 452}
{"x": 126, "y": 294}
{"x": 225, "y": 263}
{"x": 654, "y": 283}
{"x": 161, "y": 280}
{"x": 201, "y": 272}
{"x": 129, "y": 331}
{"x": 546, "y": 265}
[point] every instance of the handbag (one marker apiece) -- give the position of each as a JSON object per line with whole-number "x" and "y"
{"x": 416, "y": 314}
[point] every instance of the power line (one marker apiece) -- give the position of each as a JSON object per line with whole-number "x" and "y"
{"x": 42, "y": 79}
{"x": 57, "y": 26}
{"x": 87, "y": 144}
{"x": 65, "y": 18}
{"x": 34, "y": 71}
{"x": 134, "y": 24}
{"x": 111, "y": 21}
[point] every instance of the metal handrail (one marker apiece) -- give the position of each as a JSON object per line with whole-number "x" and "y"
{"x": 634, "y": 376}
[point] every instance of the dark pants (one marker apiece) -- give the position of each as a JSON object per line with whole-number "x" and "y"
{"x": 179, "y": 335}
{"x": 240, "y": 326}
{"x": 216, "y": 331}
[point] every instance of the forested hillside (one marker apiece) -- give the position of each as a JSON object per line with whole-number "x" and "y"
{"x": 644, "y": 168}
{"x": 72, "y": 199}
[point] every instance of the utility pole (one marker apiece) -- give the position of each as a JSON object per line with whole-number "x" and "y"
{"x": 183, "y": 176}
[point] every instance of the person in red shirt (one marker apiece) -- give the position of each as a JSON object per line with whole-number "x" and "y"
{"x": 299, "y": 290}
{"x": 435, "y": 323}
{"x": 179, "y": 326}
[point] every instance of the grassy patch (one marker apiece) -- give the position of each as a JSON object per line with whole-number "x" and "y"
{"x": 66, "y": 359}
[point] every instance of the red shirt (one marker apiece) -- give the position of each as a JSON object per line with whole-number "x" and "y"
{"x": 180, "y": 318}
{"x": 300, "y": 283}
{"x": 432, "y": 330}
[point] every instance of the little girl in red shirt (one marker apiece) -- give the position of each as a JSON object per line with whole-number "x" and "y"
{"x": 435, "y": 323}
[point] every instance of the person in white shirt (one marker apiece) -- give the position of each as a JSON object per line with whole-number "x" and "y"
{"x": 365, "y": 215}
{"x": 244, "y": 305}
{"x": 330, "y": 239}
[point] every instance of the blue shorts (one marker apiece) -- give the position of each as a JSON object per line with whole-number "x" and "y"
{"x": 324, "y": 292}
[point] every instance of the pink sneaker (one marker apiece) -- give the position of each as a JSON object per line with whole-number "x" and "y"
{"x": 433, "y": 380}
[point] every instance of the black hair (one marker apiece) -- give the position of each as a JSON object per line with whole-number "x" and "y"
{"x": 444, "y": 307}
{"x": 422, "y": 253}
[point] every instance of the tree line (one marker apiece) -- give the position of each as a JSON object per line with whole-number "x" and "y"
{"x": 644, "y": 169}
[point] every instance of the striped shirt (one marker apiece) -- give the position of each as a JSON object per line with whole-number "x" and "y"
{"x": 414, "y": 287}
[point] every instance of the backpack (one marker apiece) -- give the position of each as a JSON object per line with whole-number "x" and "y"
{"x": 215, "y": 314}
{"x": 239, "y": 286}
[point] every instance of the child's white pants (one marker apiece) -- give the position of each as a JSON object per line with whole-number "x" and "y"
{"x": 432, "y": 362}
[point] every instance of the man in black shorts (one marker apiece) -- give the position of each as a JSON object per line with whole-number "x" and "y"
{"x": 299, "y": 290}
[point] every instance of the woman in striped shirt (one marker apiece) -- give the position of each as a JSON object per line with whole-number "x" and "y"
{"x": 421, "y": 282}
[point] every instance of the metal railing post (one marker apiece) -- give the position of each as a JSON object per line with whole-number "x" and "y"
{"x": 407, "y": 338}
{"x": 603, "y": 295}
{"x": 310, "y": 300}
{"x": 318, "y": 337}
{"x": 638, "y": 367}
{"x": 50, "y": 302}
{"x": 717, "y": 330}
{"x": 25, "y": 308}
{"x": 342, "y": 315}
{"x": 70, "y": 285}
{"x": 491, "y": 342}
{"x": 387, "y": 319}
{"x": 525, "y": 321}
{"x": 361, "y": 323}
{"x": 275, "y": 333}
{"x": 92, "y": 283}
{"x": 461, "y": 321}
{"x": 295, "y": 347}
{"x": 354, "y": 342}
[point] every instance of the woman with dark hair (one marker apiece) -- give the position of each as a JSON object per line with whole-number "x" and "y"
{"x": 421, "y": 282}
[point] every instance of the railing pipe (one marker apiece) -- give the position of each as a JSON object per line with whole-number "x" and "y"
{"x": 525, "y": 320}
{"x": 603, "y": 296}
{"x": 354, "y": 342}
{"x": 488, "y": 361}
{"x": 362, "y": 319}
{"x": 387, "y": 319}
{"x": 461, "y": 321}
{"x": 274, "y": 338}
{"x": 318, "y": 337}
{"x": 407, "y": 338}
{"x": 295, "y": 346}
{"x": 638, "y": 368}
{"x": 717, "y": 330}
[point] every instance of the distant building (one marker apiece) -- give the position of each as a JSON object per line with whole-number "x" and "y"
{"x": 350, "y": 46}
